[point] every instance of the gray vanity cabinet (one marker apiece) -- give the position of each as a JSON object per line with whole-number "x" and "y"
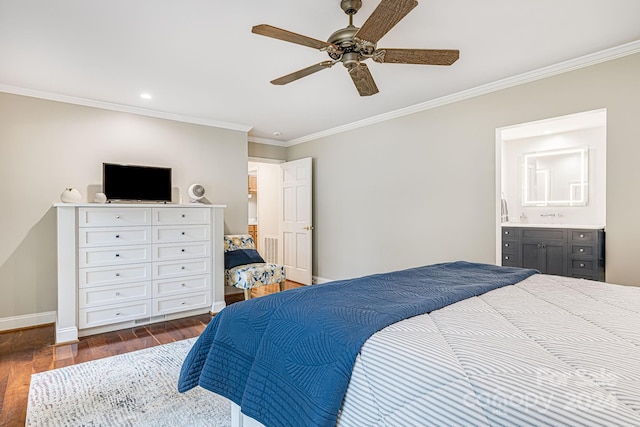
{"x": 559, "y": 251}
{"x": 545, "y": 249}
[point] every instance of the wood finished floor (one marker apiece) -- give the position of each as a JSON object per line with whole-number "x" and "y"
{"x": 30, "y": 351}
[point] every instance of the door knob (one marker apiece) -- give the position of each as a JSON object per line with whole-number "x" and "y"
{"x": 308, "y": 227}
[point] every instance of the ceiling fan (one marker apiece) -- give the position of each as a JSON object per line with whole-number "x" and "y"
{"x": 352, "y": 45}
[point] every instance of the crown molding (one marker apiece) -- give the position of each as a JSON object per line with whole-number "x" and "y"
{"x": 267, "y": 141}
{"x": 123, "y": 108}
{"x": 541, "y": 73}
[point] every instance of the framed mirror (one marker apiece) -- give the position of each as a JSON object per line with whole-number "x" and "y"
{"x": 556, "y": 178}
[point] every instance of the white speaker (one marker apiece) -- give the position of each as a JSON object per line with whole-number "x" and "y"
{"x": 196, "y": 193}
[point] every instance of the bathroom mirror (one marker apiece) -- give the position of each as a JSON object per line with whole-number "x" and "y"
{"x": 556, "y": 178}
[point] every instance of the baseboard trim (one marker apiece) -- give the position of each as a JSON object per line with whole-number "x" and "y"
{"x": 320, "y": 280}
{"x": 217, "y": 306}
{"x": 27, "y": 320}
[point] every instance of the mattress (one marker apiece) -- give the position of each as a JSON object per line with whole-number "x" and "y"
{"x": 549, "y": 350}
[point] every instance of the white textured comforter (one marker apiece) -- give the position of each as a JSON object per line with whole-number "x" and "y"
{"x": 548, "y": 351}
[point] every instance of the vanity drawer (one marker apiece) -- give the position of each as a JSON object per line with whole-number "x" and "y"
{"x": 545, "y": 234}
{"x": 109, "y": 236}
{"x": 103, "y": 276}
{"x": 113, "y": 217}
{"x": 184, "y": 233}
{"x": 582, "y": 250}
{"x": 510, "y": 260}
{"x": 509, "y": 246}
{"x": 95, "y": 257}
{"x": 105, "y": 295}
{"x": 583, "y": 235}
{"x": 172, "y": 251}
{"x": 163, "y": 288}
{"x": 172, "y": 269}
{"x": 509, "y": 233}
{"x": 174, "y": 216}
{"x": 116, "y": 313}
{"x": 577, "y": 264}
{"x": 181, "y": 303}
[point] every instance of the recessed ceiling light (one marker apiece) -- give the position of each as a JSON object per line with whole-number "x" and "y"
{"x": 145, "y": 95}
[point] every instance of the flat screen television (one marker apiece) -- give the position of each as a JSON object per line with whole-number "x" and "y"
{"x": 136, "y": 183}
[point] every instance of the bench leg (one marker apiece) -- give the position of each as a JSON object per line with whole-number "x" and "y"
{"x": 282, "y": 286}
{"x": 247, "y": 294}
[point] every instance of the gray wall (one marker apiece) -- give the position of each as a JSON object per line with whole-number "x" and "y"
{"x": 46, "y": 146}
{"x": 421, "y": 189}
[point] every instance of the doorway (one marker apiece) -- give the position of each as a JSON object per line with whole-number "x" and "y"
{"x": 515, "y": 144}
{"x": 280, "y": 214}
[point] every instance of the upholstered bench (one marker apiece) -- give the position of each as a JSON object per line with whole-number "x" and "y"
{"x": 245, "y": 268}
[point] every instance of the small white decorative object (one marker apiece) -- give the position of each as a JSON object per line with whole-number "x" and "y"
{"x": 71, "y": 195}
{"x": 196, "y": 193}
{"x": 100, "y": 198}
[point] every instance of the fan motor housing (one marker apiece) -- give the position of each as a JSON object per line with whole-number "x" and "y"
{"x": 351, "y": 7}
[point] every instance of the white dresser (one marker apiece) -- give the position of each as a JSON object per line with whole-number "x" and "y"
{"x": 123, "y": 265}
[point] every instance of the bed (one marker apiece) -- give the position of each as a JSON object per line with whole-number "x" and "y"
{"x": 503, "y": 346}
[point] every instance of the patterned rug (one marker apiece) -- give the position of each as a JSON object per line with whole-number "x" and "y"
{"x": 132, "y": 389}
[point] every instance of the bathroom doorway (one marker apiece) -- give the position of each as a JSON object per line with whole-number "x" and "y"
{"x": 555, "y": 138}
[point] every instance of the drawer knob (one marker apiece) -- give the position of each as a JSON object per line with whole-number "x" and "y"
{"x": 582, "y": 236}
{"x": 507, "y": 257}
{"x": 582, "y": 265}
{"x": 117, "y": 216}
{"x": 183, "y": 233}
{"x": 117, "y": 255}
{"x": 117, "y": 236}
{"x": 183, "y": 285}
{"x": 183, "y": 303}
{"x": 506, "y": 245}
{"x": 117, "y": 274}
{"x": 506, "y": 232}
{"x": 117, "y": 313}
{"x": 184, "y": 216}
{"x": 581, "y": 249}
{"x": 117, "y": 294}
{"x": 182, "y": 268}
{"x": 182, "y": 250}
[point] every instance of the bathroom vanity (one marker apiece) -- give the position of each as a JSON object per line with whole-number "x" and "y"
{"x": 555, "y": 249}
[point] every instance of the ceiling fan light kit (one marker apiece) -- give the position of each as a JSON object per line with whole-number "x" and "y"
{"x": 352, "y": 45}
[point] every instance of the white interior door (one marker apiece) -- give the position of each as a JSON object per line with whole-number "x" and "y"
{"x": 296, "y": 220}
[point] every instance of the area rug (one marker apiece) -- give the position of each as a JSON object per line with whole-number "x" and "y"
{"x": 132, "y": 389}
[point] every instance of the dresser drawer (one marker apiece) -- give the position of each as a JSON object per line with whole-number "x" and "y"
{"x": 103, "y": 276}
{"x": 113, "y": 217}
{"x": 175, "y": 216}
{"x": 181, "y": 303}
{"x": 91, "y": 317}
{"x": 173, "y": 251}
{"x": 171, "y": 269}
{"x": 112, "y": 236}
{"x": 163, "y": 288}
{"x": 183, "y": 233}
{"x": 95, "y": 257}
{"x": 118, "y": 294}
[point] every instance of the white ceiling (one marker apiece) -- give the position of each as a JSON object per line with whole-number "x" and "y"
{"x": 201, "y": 63}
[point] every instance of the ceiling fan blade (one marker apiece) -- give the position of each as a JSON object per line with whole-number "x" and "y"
{"x": 288, "y": 36}
{"x": 363, "y": 80}
{"x": 384, "y": 17}
{"x": 416, "y": 56}
{"x": 302, "y": 73}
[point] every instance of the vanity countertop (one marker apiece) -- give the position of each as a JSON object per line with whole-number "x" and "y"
{"x": 534, "y": 225}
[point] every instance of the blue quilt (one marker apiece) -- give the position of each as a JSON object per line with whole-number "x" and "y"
{"x": 286, "y": 359}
